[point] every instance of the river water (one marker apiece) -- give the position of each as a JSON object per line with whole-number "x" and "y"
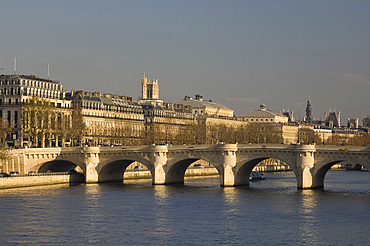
{"x": 200, "y": 212}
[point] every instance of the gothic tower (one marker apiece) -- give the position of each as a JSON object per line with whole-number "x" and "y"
{"x": 150, "y": 89}
{"x": 308, "y": 112}
{"x": 149, "y": 92}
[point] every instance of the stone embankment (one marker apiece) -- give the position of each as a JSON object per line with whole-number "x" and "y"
{"x": 40, "y": 179}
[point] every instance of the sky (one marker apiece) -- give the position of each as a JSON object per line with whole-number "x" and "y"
{"x": 237, "y": 53}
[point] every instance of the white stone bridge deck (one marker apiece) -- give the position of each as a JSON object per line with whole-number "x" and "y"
{"x": 167, "y": 164}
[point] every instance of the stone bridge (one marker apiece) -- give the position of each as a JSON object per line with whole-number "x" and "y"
{"x": 167, "y": 164}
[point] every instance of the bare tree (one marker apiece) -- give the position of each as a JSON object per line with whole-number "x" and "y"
{"x": 5, "y": 129}
{"x": 306, "y": 136}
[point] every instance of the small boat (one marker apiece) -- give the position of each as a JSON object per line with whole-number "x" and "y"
{"x": 256, "y": 176}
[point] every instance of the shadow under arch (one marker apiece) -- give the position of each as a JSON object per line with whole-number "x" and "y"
{"x": 56, "y": 166}
{"x": 113, "y": 171}
{"x": 325, "y": 165}
{"x": 244, "y": 168}
{"x": 176, "y": 172}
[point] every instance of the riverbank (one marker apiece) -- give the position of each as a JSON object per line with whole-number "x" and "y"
{"x": 40, "y": 179}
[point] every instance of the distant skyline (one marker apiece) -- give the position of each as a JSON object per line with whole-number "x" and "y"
{"x": 237, "y": 53}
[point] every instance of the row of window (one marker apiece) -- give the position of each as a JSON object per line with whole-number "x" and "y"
{"x": 120, "y": 116}
{"x": 9, "y": 116}
{"x": 98, "y": 106}
{"x": 41, "y": 84}
{"x": 261, "y": 120}
{"x": 31, "y": 92}
{"x": 10, "y": 101}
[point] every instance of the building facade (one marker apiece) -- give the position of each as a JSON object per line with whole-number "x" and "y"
{"x": 106, "y": 119}
{"x": 36, "y": 109}
{"x": 42, "y": 114}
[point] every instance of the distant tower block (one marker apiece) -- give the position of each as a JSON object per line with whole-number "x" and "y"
{"x": 308, "y": 112}
{"x": 338, "y": 118}
{"x": 150, "y": 89}
{"x": 149, "y": 92}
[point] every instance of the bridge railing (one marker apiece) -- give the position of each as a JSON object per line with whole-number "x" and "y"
{"x": 39, "y": 174}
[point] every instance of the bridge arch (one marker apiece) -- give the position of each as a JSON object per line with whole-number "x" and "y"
{"x": 113, "y": 170}
{"x": 245, "y": 166}
{"x": 56, "y": 166}
{"x": 323, "y": 166}
{"x": 175, "y": 172}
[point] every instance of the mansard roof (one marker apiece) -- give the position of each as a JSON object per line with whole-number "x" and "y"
{"x": 200, "y": 103}
{"x": 262, "y": 112}
{"x": 81, "y": 96}
{"x": 28, "y": 77}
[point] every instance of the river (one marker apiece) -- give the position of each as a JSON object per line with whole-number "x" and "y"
{"x": 200, "y": 212}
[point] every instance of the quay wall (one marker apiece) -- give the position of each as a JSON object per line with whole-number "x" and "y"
{"x": 27, "y": 181}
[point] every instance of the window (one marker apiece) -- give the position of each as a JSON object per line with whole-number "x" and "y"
{"x": 9, "y": 116}
{"x": 15, "y": 118}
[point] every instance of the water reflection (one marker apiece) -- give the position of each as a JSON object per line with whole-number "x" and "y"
{"x": 34, "y": 190}
{"x": 308, "y": 225}
{"x": 91, "y": 212}
{"x": 231, "y": 198}
{"x": 93, "y": 190}
{"x": 161, "y": 193}
{"x": 270, "y": 212}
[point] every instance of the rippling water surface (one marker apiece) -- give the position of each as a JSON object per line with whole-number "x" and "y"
{"x": 269, "y": 212}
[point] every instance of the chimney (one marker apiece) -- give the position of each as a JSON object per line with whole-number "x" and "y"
{"x": 338, "y": 118}
{"x": 199, "y": 97}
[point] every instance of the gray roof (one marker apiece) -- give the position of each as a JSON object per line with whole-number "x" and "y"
{"x": 261, "y": 113}
{"x": 30, "y": 77}
{"x": 195, "y": 103}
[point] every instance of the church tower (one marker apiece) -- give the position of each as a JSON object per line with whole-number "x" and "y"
{"x": 149, "y": 91}
{"x": 308, "y": 112}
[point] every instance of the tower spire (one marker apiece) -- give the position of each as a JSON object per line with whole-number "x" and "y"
{"x": 309, "y": 111}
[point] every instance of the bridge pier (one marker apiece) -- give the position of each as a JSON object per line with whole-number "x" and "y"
{"x": 228, "y": 160}
{"x": 159, "y": 160}
{"x": 91, "y": 161}
{"x": 305, "y": 166}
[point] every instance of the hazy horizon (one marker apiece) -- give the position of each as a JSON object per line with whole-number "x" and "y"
{"x": 237, "y": 53}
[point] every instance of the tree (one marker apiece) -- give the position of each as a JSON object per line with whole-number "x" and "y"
{"x": 77, "y": 127}
{"x": 306, "y": 136}
{"x": 5, "y": 129}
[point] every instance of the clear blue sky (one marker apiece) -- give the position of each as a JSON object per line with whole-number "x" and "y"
{"x": 237, "y": 53}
